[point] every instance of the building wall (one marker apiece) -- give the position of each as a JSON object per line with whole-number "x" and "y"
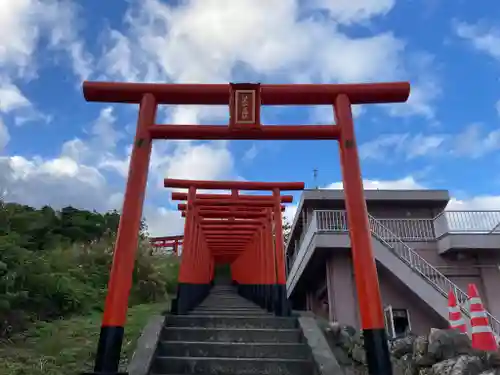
{"x": 343, "y": 298}
{"x": 463, "y": 268}
{"x": 341, "y": 289}
{"x": 477, "y": 267}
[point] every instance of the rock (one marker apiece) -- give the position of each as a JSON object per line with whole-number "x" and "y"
{"x": 421, "y": 356}
{"x": 463, "y": 365}
{"x": 403, "y": 366}
{"x": 442, "y": 352}
{"x": 449, "y": 343}
{"x": 425, "y": 371}
{"x": 492, "y": 359}
{"x": 403, "y": 346}
{"x": 358, "y": 354}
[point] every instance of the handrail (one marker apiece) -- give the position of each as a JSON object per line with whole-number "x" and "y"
{"x": 418, "y": 264}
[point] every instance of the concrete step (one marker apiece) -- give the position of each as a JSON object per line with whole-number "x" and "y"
{"x": 231, "y": 334}
{"x": 228, "y": 313}
{"x": 233, "y": 350}
{"x": 214, "y": 321}
{"x": 229, "y": 308}
{"x": 229, "y": 305}
{"x": 228, "y": 302}
{"x": 235, "y": 301}
{"x": 231, "y": 366}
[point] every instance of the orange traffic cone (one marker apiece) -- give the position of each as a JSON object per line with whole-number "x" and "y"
{"x": 482, "y": 335}
{"x": 455, "y": 316}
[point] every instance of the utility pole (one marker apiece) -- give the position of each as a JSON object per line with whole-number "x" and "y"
{"x": 315, "y": 175}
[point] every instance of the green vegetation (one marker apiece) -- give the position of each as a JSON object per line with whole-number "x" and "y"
{"x": 67, "y": 346}
{"x": 54, "y": 269}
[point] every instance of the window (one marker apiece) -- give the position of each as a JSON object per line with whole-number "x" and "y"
{"x": 397, "y": 322}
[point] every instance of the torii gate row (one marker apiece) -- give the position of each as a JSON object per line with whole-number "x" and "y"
{"x": 211, "y": 233}
{"x": 244, "y": 100}
{"x": 167, "y": 242}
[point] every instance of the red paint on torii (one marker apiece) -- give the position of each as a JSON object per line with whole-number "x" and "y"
{"x": 168, "y": 243}
{"x": 244, "y": 102}
{"x": 239, "y": 219}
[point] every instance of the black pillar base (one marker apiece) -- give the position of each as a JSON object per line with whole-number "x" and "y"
{"x": 268, "y": 297}
{"x": 104, "y": 373}
{"x": 377, "y": 352}
{"x": 189, "y": 296}
{"x": 107, "y": 359}
{"x": 280, "y": 302}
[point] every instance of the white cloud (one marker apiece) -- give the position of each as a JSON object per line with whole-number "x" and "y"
{"x": 251, "y": 153}
{"x": 406, "y": 183}
{"x": 411, "y": 146}
{"x": 57, "y": 182}
{"x": 24, "y": 22}
{"x": 207, "y": 161}
{"x": 482, "y": 38}
{"x": 350, "y": 11}
{"x": 290, "y": 212}
{"x": 103, "y": 130}
{"x": 184, "y": 44}
{"x": 4, "y": 135}
{"x": 472, "y": 142}
{"x": 480, "y": 202}
{"x": 162, "y": 221}
{"x": 11, "y": 98}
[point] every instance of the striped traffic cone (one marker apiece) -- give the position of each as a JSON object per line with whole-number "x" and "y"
{"x": 455, "y": 317}
{"x": 482, "y": 335}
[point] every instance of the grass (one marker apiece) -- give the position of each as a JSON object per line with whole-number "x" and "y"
{"x": 67, "y": 346}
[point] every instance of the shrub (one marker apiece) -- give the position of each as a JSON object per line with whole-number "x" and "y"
{"x": 71, "y": 276}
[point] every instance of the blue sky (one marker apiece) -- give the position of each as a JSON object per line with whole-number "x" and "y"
{"x": 57, "y": 149}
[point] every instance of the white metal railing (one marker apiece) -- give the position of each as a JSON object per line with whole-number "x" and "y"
{"x": 406, "y": 229}
{"x": 453, "y": 222}
{"x": 480, "y": 222}
{"x": 336, "y": 221}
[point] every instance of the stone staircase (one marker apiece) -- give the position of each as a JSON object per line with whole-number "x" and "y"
{"x": 229, "y": 335}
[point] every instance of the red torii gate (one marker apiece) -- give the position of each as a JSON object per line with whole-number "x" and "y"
{"x": 170, "y": 242}
{"x": 244, "y": 101}
{"x": 239, "y": 219}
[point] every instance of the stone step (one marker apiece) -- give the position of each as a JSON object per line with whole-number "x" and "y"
{"x": 227, "y": 300}
{"x": 228, "y": 313}
{"x": 230, "y": 366}
{"x": 233, "y": 350}
{"x": 214, "y": 321}
{"x": 229, "y": 309}
{"x": 231, "y": 334}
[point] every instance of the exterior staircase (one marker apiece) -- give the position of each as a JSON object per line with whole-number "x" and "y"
{"x": 229, "y": 335}
{"x": 435, "y": 293}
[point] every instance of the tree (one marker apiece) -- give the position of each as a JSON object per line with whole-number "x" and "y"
{"x": 287, "y": 230}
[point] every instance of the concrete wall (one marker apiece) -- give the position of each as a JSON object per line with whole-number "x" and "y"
{"x": 462, "y": 268}
{"x": 343, "y": 298}
{"x": 341, "y": 289}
